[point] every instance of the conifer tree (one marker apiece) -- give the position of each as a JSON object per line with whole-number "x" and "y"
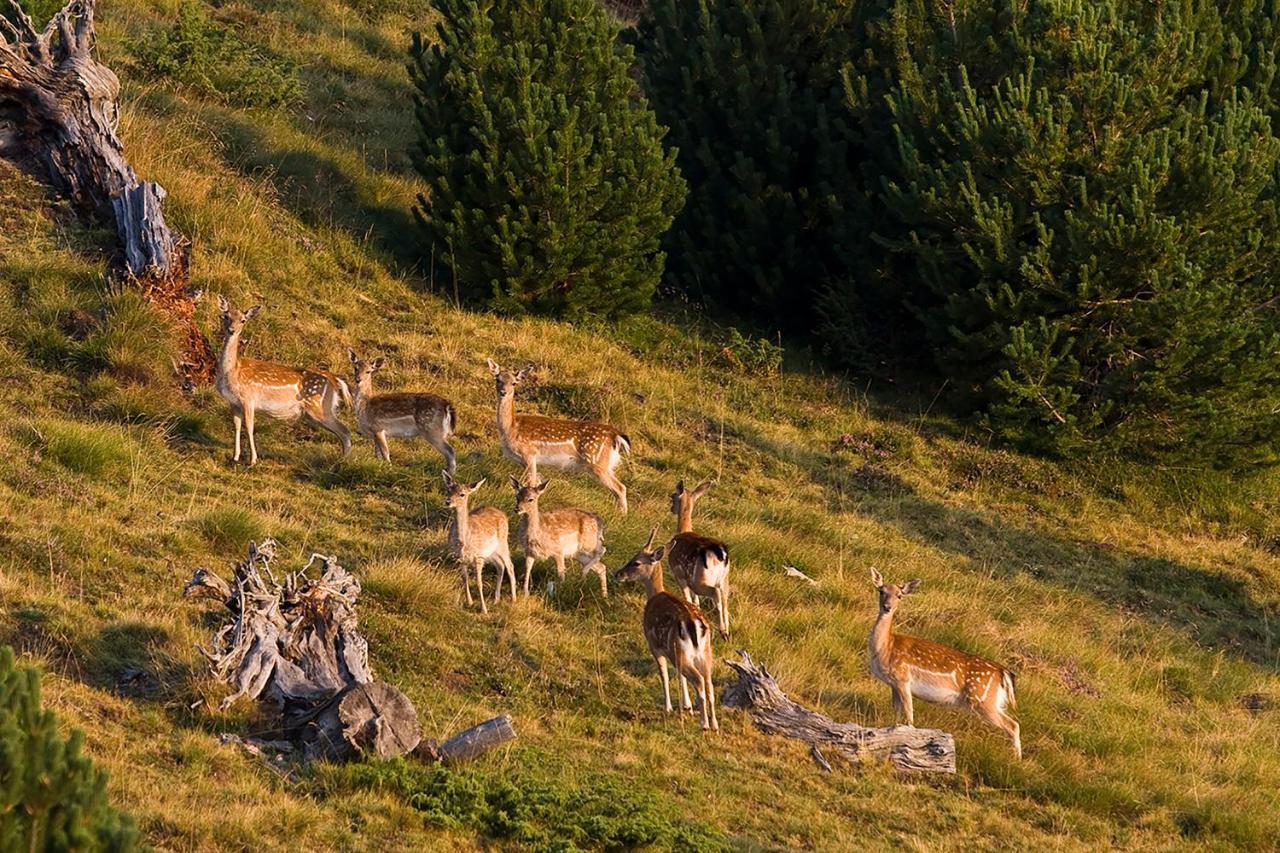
{"x": 51, "y": 796}
{"x": 548, "y": 186}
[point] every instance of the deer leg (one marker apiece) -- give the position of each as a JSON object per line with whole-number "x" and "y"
{"x": 708, "y": 697}
{"x": 441, "y": 444}
{"x": 381, "y": 446}
{"x": 511, "y": 577}
{"x": 328, "y": 419}
{"x": 902, "y": 702}
{"x": 685, "y": 703}
{"x": 1003, "y": 721}
{"x": 466, "y": 582}
{"x": 528, "y": 570}
{"x": 560, "y": 567}
{"x": 248, "y": 428}
{"x": 666, "y": 682}
{"x": 479, "y": 564}
{"x": 722, "y": 608}
{"x": 604, "y": 579}
{"x": 688, "y": 596}
{"x": 238, "y": 422}
{"x": 613, "y": 484}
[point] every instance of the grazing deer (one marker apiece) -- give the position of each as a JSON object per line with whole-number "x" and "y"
{"x": 277, "y": 390}
{"x": 558, "y": 534}
{"x": 476, "y": 537}
{"x": 676, "y": 631}
{"x": 557, "y": 442}
{"x": 700, "y": 563}
{"x": 401, "y": 415}
{"x": 936, "y": 673}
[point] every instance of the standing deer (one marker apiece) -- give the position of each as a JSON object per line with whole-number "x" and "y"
{"x": 700, "y": 563}
{"x": 277, "y": 390}
{"x": 558, "y": 534}
{"x": 476, "y": 537}
{"x": 936, "y": 673}
{"x": 675, "y": 630}
{"x": 404, "y": 415}
{"x": 557, "y": 442}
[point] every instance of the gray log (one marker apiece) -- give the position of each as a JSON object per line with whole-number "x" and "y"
{"x": 477, "y": 740}
{"x": 909, "y": 748}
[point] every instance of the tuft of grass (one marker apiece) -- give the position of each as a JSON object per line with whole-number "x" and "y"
{"x": 230, "y": 529}
{"x": 131, "y": 341}
{"x": 90, "y": 449}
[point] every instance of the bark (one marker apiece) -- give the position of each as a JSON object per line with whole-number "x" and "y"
{"x": 295, "y": 644}
{"x": 909, "y": 748}
{"x": 58, "y": 119}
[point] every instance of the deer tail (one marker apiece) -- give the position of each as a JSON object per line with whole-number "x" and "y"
{"x": 622, "y": 444}
{"x": 450, "y": 419}
{"x": 718, "y": 550}
{"x": 1007, "y": 680}
{"x": 344, "y": 390}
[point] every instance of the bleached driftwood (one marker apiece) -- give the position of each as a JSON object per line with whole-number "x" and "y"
{"x": 469, "y": 744}
{"x": 909, "y": 748}
{"x": 295, "y": 644}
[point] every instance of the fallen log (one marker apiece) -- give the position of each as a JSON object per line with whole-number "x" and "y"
{"x": 295, "y": 644}
{"x": 469, "y": 744}
{"x": 908, "y": 748}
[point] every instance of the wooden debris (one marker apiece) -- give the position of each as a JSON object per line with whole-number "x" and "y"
{"x": 793, "y": 572}
{"x": 909, "y": 748}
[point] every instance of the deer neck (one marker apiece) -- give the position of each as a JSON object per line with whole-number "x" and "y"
{"x": 229, "y": 361}
{"x": 653, "y": 583}
{"x": 506, "y": 415}
{"x": 462, "y": 521}
{"x": 685, "y": 517}
{"x": 363, "y": 390}
{"x": 534, "y": 519}
{"x": 881, "y": 641}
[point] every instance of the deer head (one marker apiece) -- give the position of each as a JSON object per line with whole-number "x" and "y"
{"x": 683, "y": 500}
{"x": 456, "y": 494}
{"x": 891, "y": 595}
{"x": 364, "y": 370}
{"x": 233, "y": 319}
{"x": 507, "y": 380}
{"x": 643, "y": 565}
{"x": 527, "y": 496}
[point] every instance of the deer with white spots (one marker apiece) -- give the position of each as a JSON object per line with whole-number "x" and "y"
{"x": 676, "y": 631}
{"x": 937, "y": 673}
{"x": 557, "y": 442}
{"x": 700, "y": 563}
{"x": 401, "y": 415}
{"x": 251, "y": 386}
{"x": 558, "y": 534}
{"x": 476, "y": 537}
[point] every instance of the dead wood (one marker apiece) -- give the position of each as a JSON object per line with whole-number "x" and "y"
{"x": 909, "y": 748}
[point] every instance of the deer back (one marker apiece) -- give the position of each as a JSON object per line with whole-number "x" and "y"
{"x": 487, "y": 530}
{"x": 941, "y": 669}
{"x": 425, "y": 411}
{"x": 588, "y": 442}
{"x": 698, "y": 562}
{"x": 673, "y": 626}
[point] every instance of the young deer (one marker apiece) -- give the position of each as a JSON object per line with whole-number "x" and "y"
{"x": 557, "y": 442}
{"x": 401, "y": 415}
{"x": 476, "y": 537}
{"x": 936, "y": 673}
{"x": 700, "y": 563}
{"x": 282, "y": 392}
{"x": 675, "y": 630}
{"x": 558, "y": 534}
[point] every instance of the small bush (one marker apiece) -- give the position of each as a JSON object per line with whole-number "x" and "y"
{"x": 204, "y": 55}
{"x": 51, "y": 796}
{"x": 83, "y": 448}
{"x": 230, "y": 529}
{"x": 751, "y": 355}
{"x": 601, "y": 813}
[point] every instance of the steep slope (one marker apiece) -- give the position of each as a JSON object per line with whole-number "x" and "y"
{"x": 1140, "y": 621}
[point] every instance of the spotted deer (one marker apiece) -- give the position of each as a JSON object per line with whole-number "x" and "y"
{"x": 676, "y": 631}
{"x": 557, "y": 442}
{"x": 277, "y": 390}
{"x": 476, "y": 537}
{"x": 699, "y": 563}
{"x": 401, "y": 415}
{"x": 558, "y": 534}
{"x": 937, "y": 673}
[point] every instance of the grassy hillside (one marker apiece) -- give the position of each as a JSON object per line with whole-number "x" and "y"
{"x": 1139, "y": 610}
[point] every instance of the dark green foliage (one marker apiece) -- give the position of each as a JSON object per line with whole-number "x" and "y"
{"x": 602, "y": 813}
{"x": 51, "y": 796}
{"x": 751, "y": 90}
{"x": 204, "y": 55}
{"x": 548, "y": 188}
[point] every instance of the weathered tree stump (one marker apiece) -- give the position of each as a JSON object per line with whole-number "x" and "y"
{"x": 296, "y": 645}
{"x": 909, "y": 748}
{"x": 58, "y": 118}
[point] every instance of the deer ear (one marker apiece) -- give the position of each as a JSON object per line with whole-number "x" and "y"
{"x": 479, "y": 483}
{"x": 252, "y": 312}
{"x": 448, "y": 481}
{"x": 377, "y": 363}
{"x": 658, "y": 553}
{"x": 910, "y": 586}
{"x": 494, "y": 367}
{"x": 524, "y": 373}
{"x": 679, "y": 487}
{"x": 223, "y": 305}
{"x": 876, "y": 579}
{"x": 355, "y": 359}
{"x": 515, "y": 484}
{"x": 703, "y": 487}
{"x": 543, "y": 486}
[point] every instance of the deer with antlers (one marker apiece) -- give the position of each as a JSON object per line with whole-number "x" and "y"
{"x": 476, "y": 537}
{"x": 937, "y": 673}
{"x": 676, "y": 631}
{"x": 401, "y": 415}
{"x": 277, "y": 390}
{"x": 558, "y": 534}
{"x": 557, "y": 442}
{"x": 700, "y": 563}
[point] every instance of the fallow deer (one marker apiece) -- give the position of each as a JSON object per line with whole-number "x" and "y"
{"x": 700, "y": 563}
{"x": 558, "y": 534}
{"x": 279, "y": 391}
{"x": 401, "y": 415}
{"x": 557, "y": 442}
{"x": 676, "y": 631}
{"x": 937, "y": 673}
{"x": 476, "y": 537}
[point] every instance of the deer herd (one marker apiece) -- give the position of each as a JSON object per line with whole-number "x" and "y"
{"x": 676, "y": 629}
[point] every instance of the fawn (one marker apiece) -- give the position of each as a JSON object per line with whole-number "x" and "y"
{"x": 675, "y": 630}
{"x": 476, "y": 537}
{"x": 700, "y": 563}
{"x": 403, "y": 415}
{"x": 277, "y": 390}
{"x": 558, "y": 534}
{"x": 557, "y": 442}
{"x": 936, "y": 673}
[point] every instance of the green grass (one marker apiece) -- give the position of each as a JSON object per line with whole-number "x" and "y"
{"x": 1139, "y": 606}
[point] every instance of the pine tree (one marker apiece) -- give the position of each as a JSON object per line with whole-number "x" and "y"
{"x": 51, "y": 796}
{"x": 1094, "y": 230}
{"x": 548, "y": 186}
